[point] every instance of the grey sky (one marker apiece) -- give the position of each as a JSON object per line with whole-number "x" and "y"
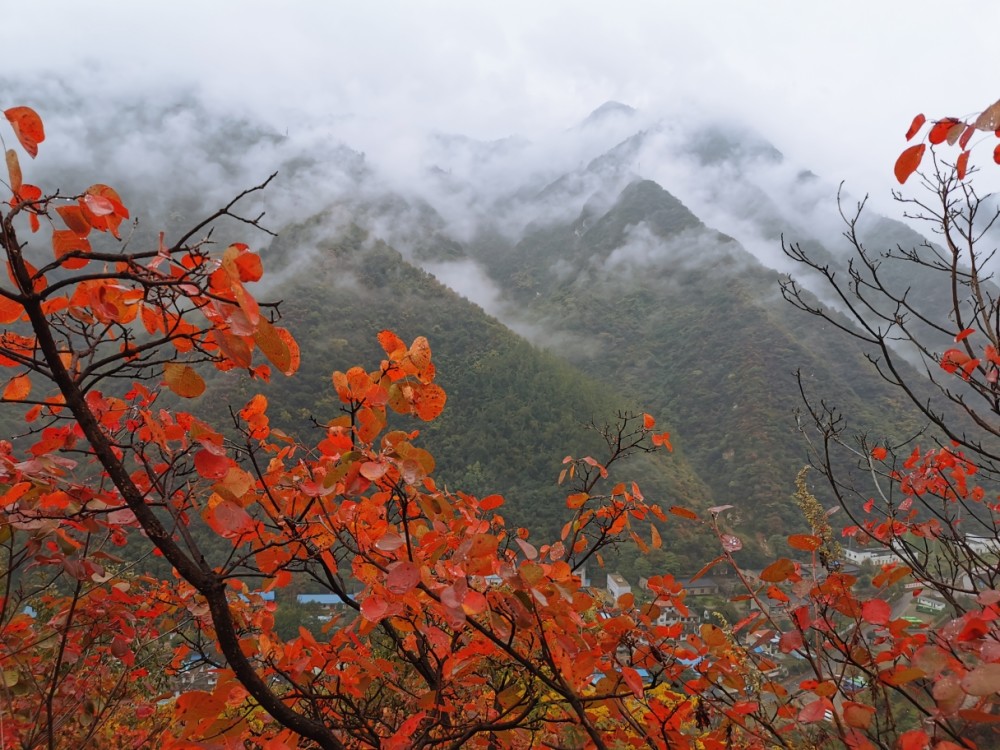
{"x": 832, "y": 84}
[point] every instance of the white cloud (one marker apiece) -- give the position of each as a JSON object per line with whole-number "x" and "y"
{"x": 833, "y": 85}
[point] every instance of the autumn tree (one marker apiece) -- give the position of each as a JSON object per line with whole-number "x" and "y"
{"x": 927, "y": 318}
{"x": 465, "y": 632}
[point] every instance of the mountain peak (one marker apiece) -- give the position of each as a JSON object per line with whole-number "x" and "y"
{"x": 608, "y": 110}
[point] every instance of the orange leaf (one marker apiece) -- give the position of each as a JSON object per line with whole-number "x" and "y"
{"x": 183, "y": 380}
{"x": 908, "y": 162}
{"x": 102, "y": 208}
{"x": 858, "y": 715}
{"x": 804, "y": 542}
{"x": 65, "y": 241}
{"x": 576, "y": 500}
{"x": 17, "y": 389}
{"x": 10, "y": 310}
{"x": 683, "y": 512}
{"x": 27, "y": 127}
{"x": 655, "y": 538}
{"x": 392, "y": 344}
{"x": 648, "y": 422}
{"x": 879, "y": 453}
{"x": 274, "y": 346}
{"x": 780, "y": 570}
{"x": 429, "y": 401}
{"x": 74, "y": 219}
{"x": 901, "y": 676}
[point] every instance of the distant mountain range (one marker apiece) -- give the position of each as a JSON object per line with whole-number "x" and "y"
{"x": 628, "y": 265}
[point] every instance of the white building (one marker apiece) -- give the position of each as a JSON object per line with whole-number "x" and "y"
{"x": 617, "y": 585}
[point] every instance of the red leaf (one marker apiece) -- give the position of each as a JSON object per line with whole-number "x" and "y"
{"x": 491, "y": 502}
{"x": 374, "y": 608}
{"x": 648, "y": 422}
{"x": 962, "y": 165}
{"x": 879, "y": 453}
{"x": 876, "y": 612}
{"x": 98, "y": 205}
{"x": 908, "y": 162}
{"x": 27, "y": 127}
{"x": 939, "y": 133}
{"x": 633, "y": 680}
{"x": 228, "y": 519}
{"x": 963, "y": 335}
{"x": 915, "y": 739}
{"x": 963, "y": 142}
{"x": 955, "y": 359}
{"x": 918, "y": 122}
{"x": 403, "y": 577}
{"x": 210, "y": 465}
{"x": 996, "y": 154}
{"x": 790, "y": 641}
{"x": 815, "y": 711}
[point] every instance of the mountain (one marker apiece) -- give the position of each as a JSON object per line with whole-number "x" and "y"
{"x": 613, "y": 275}
{"x": 627, "y": 262}
{"x": 513, "y": 412}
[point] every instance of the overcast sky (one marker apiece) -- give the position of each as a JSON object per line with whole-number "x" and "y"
{"x": 833, "y": 84}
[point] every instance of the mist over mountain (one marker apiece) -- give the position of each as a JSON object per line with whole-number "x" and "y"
{"x": 630, "y": 261}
